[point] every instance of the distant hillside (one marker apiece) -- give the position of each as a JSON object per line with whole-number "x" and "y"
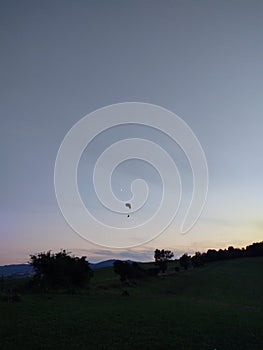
{"x": 16, "y": 270}
{"x": 106, "y": 263}
{"x": 22, "y": 270}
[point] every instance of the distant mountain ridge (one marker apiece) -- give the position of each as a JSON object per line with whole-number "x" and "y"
{"x": 16, "y": 270}
{"x": 23, "y": 270}
{"x": 106, "y": 263}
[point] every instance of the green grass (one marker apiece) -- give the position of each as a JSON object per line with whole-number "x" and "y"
{"x": 218, "y": 307}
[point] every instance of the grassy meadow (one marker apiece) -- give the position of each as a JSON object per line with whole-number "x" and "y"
{"x": 218, "y": 306}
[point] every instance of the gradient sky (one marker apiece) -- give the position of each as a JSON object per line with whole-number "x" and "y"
{"x": 63, "y": 59}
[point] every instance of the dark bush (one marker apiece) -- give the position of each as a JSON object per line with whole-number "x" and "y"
{"x": 197, "y": 260}
{"x": 185, "y": 261}
{"x": 128, "y": 271}
{"x": 59, "y": 270}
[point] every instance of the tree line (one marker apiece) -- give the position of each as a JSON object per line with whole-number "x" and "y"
{"x": 253, "y": 250}
{"x": 62, "y": 270}
{"x": 163, "y": 257}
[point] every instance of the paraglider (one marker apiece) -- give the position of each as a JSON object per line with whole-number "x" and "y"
{"x": 128, "y": 205}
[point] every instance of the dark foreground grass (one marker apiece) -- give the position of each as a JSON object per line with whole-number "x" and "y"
{"x": 215, "y": 307}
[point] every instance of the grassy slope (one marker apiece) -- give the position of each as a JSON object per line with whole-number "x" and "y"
{"x": 216, "y": 307}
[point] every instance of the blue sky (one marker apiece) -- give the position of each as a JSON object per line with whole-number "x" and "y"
{"x": 60, "y": 60}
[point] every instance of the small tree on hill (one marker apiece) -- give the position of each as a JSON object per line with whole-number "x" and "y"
{"x": 161, "y": 258}
{"x": 197, "y": 260}
{"x": 185, "y": 261}
{"x": 128, "y": 271}
{"x": 60, "y": 270}
{"x": 122, "y": 268}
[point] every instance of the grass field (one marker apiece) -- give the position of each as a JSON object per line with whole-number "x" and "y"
{"x": 219, "y": 306}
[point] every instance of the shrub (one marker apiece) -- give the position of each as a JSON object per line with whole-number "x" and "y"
{"x": 59, "y": 270}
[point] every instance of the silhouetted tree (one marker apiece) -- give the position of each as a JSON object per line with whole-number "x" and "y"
{"x": 255, "y": 249}
{"x": 128, "y": 271}
{"x": 122, "y": 268}
{"x": 161, "y": 258}
{"x": 185, "y": 261}
{"x": 197, "y": 260}
{"x": 211, "y": 255}
{"x": 60, "y": 270}
{"x": 221, "y": 254}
